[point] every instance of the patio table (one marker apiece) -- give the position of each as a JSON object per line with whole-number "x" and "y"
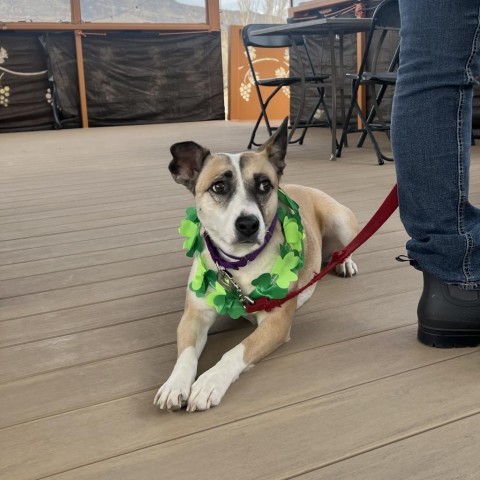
{"x": 329, "y": 27}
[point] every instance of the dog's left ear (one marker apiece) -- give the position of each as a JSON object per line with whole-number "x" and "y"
{"x": 187, "y": 161}
{"x": 276, "y": 147}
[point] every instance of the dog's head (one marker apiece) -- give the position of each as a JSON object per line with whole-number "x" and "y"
{"x": 236, "y": 194}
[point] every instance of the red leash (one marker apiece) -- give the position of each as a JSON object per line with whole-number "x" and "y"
{"x": 388, "y": 206}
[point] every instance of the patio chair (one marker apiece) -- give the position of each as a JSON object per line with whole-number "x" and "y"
{"x": 382, "y": 35}
{"x": 310, "y": 79}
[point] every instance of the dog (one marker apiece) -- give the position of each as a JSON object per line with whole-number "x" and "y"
{"x": 237, "y": 202}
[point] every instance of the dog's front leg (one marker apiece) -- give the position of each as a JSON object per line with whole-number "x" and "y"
{"x": 272, "y": 331}
{"x": 191, "y": 338}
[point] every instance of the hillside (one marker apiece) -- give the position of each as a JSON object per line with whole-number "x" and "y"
{"x": 164, "y": 11}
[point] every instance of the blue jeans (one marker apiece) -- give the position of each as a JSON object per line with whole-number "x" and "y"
{"x": 431, "y": 136}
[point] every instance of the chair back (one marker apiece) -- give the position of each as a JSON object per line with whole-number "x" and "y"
{"x": 297, "y": 42}
{"x": 377, "y": 69}
{"x": 268, "y": 41}
{"x": 387, "y": 15}
{"x": 385, "y": 20}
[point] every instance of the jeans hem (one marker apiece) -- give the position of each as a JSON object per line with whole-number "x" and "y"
{"x": 470, "y": 285}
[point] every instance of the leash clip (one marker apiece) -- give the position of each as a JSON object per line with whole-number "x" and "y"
{"x": 225, "y": 279}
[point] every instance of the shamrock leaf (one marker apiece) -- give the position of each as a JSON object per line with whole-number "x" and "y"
{"x": 190, "y": 229}
{"x": 293, "y": 236}
{"x": 265, "y": 286}
{"x": 192, "y": 214}
{"x": 218, "y": 291}
{"x": 197, "y": 281}
{"x": 284, "y": 198}
{"x": 203, "y": 279}
{"x": 225, "y": 303}
{"x": 281, "y": 214}
{"x": 283, "y": 269}
{"x": 229, "y": 305}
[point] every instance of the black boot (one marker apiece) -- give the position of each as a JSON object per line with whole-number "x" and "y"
{"x": 448, "y": 316}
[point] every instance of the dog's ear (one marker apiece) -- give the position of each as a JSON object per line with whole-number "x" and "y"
{"x": 276, "y": 147}
{"x": 187, "y": 161}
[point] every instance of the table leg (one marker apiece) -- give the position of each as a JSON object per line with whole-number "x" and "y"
{"x": 303, "y": 87}
{"x": 342, "y": 84}
{"x": 333, "y": 155}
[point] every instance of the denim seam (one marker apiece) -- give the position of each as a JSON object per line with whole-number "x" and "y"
{"x": 461, "y": 185}
{"x": 470, "y": 78}
{"x": 462, "y": 199}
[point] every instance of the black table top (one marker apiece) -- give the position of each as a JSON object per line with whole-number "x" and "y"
{"x": 321, "y": 26}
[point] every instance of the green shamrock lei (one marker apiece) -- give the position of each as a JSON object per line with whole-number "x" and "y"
{"x": 272, "y": 285}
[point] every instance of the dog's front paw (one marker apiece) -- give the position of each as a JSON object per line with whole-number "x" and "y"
{"x": 208, "y": 390}
{"x": 173, "y": 394}
{"x": 347, "y": 269}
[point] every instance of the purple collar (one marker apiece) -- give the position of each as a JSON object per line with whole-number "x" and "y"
{"x": 237, "y": 261}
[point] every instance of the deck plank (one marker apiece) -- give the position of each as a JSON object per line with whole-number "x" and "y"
{"x": 446, "y": 452}
{"x": 86, "y": 246}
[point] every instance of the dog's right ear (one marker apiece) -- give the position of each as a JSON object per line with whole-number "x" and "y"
{"x": 187, "y": 161}
{"x": 276, "y": 147}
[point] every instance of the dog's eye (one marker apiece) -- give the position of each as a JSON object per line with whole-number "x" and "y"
{"x": 264, "y": 186}
{"x": 219, "y": 188}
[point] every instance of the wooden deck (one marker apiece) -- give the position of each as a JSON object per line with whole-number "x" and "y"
{"x": 92, "y": 280}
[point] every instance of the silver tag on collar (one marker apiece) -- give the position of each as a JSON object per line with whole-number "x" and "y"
{"x": 225, "y": 279}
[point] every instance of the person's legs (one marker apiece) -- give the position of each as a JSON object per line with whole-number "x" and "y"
{"x": 431, "y": 136}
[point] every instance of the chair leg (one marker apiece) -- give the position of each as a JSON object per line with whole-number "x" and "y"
{"x": 365, "y": 131}
{"x": 353, "y": 101}
{"x": 263, "y": 114}
{"x": 321, "y": 101}
{"x": 310, "y": 119}
{"x": 375, "y": 110}
{"x": 254, "y": 131}
{"x": 329, "y": 119}
{"x": 368, "y": 130}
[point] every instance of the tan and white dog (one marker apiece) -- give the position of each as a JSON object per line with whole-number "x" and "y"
{"x": 236, "y": 200}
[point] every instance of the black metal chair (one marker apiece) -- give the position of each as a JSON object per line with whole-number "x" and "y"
{"x": 311, "y": 79}
{"x": 382, "y": 39}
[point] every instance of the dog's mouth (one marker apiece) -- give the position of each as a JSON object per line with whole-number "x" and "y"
{"x": 250, "y": 242}
{"x": 238, "y": 247}
{"x": 248, "y": 235}
{"x": 244, "y": 245}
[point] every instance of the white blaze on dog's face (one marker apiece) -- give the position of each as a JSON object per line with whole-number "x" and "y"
{"x": 236, "y": 199}
{"x": 235, "y": 194}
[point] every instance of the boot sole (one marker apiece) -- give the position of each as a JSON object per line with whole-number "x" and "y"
{"x": 439, "y": 338}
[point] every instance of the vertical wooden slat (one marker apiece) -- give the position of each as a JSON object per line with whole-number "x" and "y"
{"x": 362, "y": 91}
{"x": 360, "y": 9}
{"x": 75, "y": 11}
{"x": 81, "y": 78}
{"x": 213, "y": 15}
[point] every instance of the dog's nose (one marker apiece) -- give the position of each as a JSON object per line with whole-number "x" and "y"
{"x": 247, "y": 225}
